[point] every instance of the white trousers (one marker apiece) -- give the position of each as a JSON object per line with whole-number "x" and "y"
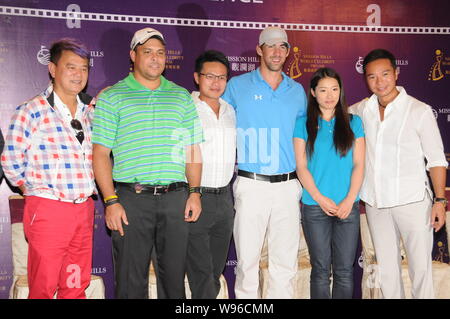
{"x": 412, "y": 224}
{"x": 273, "y": 208}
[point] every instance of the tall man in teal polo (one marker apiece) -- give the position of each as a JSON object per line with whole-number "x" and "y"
{"x": 152, "y": 129}
{"x": 267, "y": 191}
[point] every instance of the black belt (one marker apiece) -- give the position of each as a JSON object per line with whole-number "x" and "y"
{"x": 268, "y": 178}
{"x": 215, "y": 190}
{"x": 153, "y": 189}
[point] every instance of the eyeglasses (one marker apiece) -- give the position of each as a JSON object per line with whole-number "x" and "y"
{"x": 211, "y": 77}
{"x": 76, "y": 125}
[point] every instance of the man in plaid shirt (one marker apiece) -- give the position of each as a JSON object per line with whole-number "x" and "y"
{"x": 48, "y": 155}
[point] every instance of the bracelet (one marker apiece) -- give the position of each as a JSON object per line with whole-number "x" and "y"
{"x": 195, "y": 190}
{"x": 112, "y": 202}
{"x": 110, "y": 197}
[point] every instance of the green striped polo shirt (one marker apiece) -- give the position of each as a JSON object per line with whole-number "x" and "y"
{"x": 147, "y": 130}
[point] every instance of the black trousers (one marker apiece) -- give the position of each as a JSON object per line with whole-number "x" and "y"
{"x": 154, "y": 221}
{"x": 209, "y": 240}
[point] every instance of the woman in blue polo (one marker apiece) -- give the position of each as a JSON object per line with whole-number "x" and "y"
{"x": 329, "y": 148}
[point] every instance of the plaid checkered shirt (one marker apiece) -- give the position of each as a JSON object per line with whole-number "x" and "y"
{"x": 42, "y": 152}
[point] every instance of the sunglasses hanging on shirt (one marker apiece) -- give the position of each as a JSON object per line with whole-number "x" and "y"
{"x": 76, "y": 125}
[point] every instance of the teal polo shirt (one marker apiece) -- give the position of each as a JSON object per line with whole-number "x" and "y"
{"x": 265, "y": 121}
{"x": 331, "y": 173}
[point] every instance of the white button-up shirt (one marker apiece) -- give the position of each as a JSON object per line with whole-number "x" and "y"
{"x": 219, "y": 148}
{"x": 396, "y": 149}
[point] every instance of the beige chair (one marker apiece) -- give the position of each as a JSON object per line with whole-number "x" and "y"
{"x": 19, "y": 288}
{"x": 370, "y": 280}
{"x": 302, "y": 278}
{"x": 152, "y": 287}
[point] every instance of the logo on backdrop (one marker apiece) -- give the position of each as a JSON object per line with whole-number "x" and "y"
{"x": 174, "y": 59}
{"x": 232, "y": 263}
{"x": 359, "y": 65}
{"x": 43, "y": 55}
{"x": 95, "y": 55}
{"x": 73, "y": 22}
{"x": 294, "y": 67}
{"x": 443, "y": 111}
{"x": 437, "y": 71}
{"x": 374, "y": 19}
{"x": 307, "y": 63}
{"x": 243, "y": 63}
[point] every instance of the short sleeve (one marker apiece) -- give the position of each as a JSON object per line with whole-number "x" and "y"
{"x": 300, "y": 128}
{"x": 228, "y": 94}
{"x": 191, "y": 124}
{"x": 357, "y": 126}
{"x": 302, "y": 109}
{"x": 105, "y": 123}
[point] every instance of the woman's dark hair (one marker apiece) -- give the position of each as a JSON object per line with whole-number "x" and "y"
{"x": 343, "y": 136}
{"x": 211, "y": 56}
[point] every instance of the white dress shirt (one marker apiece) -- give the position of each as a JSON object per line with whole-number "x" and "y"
{"x": 396, "y": 149}
{"x": 219, "y": 148}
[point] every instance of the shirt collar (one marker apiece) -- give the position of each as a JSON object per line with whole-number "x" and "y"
{"x": 61, "y": 107}
{"x": 398, "y": 101}
{"x": 59, "y": 102}
{"x": 332, "y": 121}
{"x": 196, "y": 97}
{"x": 284, "y": 82}
{"x": 131, "y": 81}
{"x": 49, "y": 95}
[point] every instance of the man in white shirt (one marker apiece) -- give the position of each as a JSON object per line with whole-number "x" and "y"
{"x": 403, "y": 141}
{"x": 209, "y": 236}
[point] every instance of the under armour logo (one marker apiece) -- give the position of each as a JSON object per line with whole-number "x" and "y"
{"x": 258, "y": 97}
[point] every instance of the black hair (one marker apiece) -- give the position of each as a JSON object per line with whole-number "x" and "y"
{"x": 379, "y": 54}
{"x": 343, "y": 136}
{"x": 211, "y": 56}
{"x": 68, "y": 44}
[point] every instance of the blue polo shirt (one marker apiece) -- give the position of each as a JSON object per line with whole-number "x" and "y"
{"x": 331, "y": 173}
{"x": 265, "y": 121}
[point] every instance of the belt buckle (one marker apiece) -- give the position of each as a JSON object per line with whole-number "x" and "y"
{"x": 155, "y": 193}
{"x": 79, "y": 200}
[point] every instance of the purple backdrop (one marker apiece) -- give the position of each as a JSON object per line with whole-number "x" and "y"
{"x": 322, "y": 33}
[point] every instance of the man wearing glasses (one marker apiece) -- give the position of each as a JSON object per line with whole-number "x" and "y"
{"x": 152, "y": 128}
{"x": 209, "y": 237}
{"x": 267, "y": 191}
{"x": 48, "y": 155}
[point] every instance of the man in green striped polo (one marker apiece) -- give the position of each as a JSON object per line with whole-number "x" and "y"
{"x": 152, "y": 129}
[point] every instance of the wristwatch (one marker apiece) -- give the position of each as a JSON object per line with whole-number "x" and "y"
{"x": 444, "y": 201}
{"x": 195, "y": 190}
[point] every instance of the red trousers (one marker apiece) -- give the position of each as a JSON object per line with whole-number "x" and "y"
{"x": 59, "y": 238}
